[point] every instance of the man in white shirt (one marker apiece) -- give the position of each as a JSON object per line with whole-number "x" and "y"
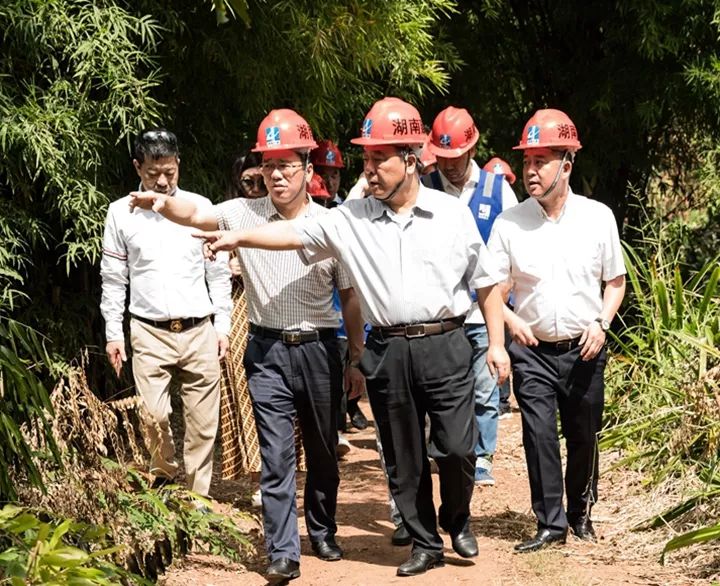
{"x": 413, "y": 255}
{"x": 174, "y": 292}
{"x": 453, "y": 141}
{"x": 562, "y": 253}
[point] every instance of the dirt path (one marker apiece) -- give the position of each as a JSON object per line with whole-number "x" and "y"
{"x": 501, "y": 516}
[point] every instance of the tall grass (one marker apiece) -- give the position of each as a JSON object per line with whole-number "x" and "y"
{"x": 664, "y": 382}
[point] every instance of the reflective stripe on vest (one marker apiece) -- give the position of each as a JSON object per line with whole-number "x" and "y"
{"x": 486, "y": 202}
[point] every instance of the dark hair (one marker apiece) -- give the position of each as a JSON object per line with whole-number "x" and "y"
{"x": 155, "y": 143}
{"x": 240, "y": 164}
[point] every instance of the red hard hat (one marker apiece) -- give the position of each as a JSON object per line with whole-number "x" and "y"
{"x": 453, "y": 133}
{"x": 499, "y": 167}
{"x": 316, "y": 187}
{"x": 327, "y": 155}
{"x": 391, "y": 121}
{"x": 283, "y": 130}
{"x": 549, "y": 129}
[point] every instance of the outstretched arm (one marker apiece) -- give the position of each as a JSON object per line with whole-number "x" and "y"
{"x": 273, "y": 236}
{"x": 180, "y": 211}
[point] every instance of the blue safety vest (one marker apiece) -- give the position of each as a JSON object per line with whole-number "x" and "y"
{"x": 485, "y": 203}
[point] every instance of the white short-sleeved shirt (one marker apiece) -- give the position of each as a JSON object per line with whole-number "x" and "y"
{"x": 282, "y": 292}
{"x": 558, "y": 266}
{"x": 410, "y": 268}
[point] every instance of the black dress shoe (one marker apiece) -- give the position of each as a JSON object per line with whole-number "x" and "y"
{"x": 401, "y": 536}
{"x": 358, "y": 420}
{"x": 465, "y": 544}
{"x": 327, "y": 550}
{"x": 583, "y": 529}
{"x": 161, "y": 482}
{"x": 542, "y": 538}
{"x": 419, "y": 563}
{"x": 283, "y": 569}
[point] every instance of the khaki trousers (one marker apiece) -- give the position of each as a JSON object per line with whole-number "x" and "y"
{"x": 190, "y": 358}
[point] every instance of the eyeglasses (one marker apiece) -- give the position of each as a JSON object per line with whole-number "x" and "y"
{"x": 287, "y": 169}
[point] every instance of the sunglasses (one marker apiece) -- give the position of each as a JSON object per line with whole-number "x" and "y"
{"x": 249, "y": 183}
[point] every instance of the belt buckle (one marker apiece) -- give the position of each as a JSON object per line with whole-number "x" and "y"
{"x": 176, "y": 325}
{"x": 291, "y": 337}
{"x": 564, "y": 345}
{"x": 415, "y": 331}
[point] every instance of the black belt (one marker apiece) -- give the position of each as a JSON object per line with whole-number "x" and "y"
{"x": 293, "y": 337}
{"x": 172, "y": 325}
{"x": 421, "y": 330}
{"x": 561, "y": 345}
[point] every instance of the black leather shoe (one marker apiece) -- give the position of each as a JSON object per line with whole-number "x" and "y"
{"x": 542, "y": 538}
{"x": 465, "y": 544}
{"x": 401, "y": 536}
{"x": 358, "y": 420}
{"x": 327, "y": 550}
{"x": 419, "y": 563}
{"x": 583, "y": 529}
{"x": 283, "y": 569}
{"x": 162, "y": 482}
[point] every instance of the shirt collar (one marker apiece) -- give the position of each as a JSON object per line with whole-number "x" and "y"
{"x": 470, "y": 183}
{"x": 272, "y": 213}
{"x": 424, "y": 203}
{"x": 569, "y": 204}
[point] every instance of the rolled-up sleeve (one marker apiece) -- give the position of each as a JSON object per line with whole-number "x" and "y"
{"x": 114, "y": 273}
{"x": 218, "y": 277}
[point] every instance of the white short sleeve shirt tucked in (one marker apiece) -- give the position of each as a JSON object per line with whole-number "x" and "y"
{"x": 409, "y": 268}
{"x": 164, "y": 266}
{"x": 282, "y": 292}
{"x": 558, "y": 266}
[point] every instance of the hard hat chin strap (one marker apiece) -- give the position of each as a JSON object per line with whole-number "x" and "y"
{"x": 565, "y": 158}
{"x": 393, "y": 193}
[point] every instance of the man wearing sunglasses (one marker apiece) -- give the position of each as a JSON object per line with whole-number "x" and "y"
{"x": 174, "y": 293}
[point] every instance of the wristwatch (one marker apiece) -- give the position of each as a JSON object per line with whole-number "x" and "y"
{"x": 604, "y": 324}
{"x": 352, "y": 363}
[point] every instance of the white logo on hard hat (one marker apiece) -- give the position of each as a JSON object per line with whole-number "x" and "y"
{"x": 272, "y": 135}
{"x": 533, "y": 135}
{"x": 497, "y": 169}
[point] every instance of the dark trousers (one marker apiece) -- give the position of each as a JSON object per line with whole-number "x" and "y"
{"x": 546, "y": 379}
{"x": 407, "y": 378}
{"x": 303, "y": 381}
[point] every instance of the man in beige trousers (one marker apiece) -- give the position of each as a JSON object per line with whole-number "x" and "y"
{"x": 174, "y": 292}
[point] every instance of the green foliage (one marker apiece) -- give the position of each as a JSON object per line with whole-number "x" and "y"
{"x": 329, "y": 61}
{"x": 56, "y": 552}
{"x": 663, "y": 410}
{"x": 24, "y": 401}
{"x": 182, "y": 518}
{"x": 639, "y": 79}
{"x": 664, "y": 380}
